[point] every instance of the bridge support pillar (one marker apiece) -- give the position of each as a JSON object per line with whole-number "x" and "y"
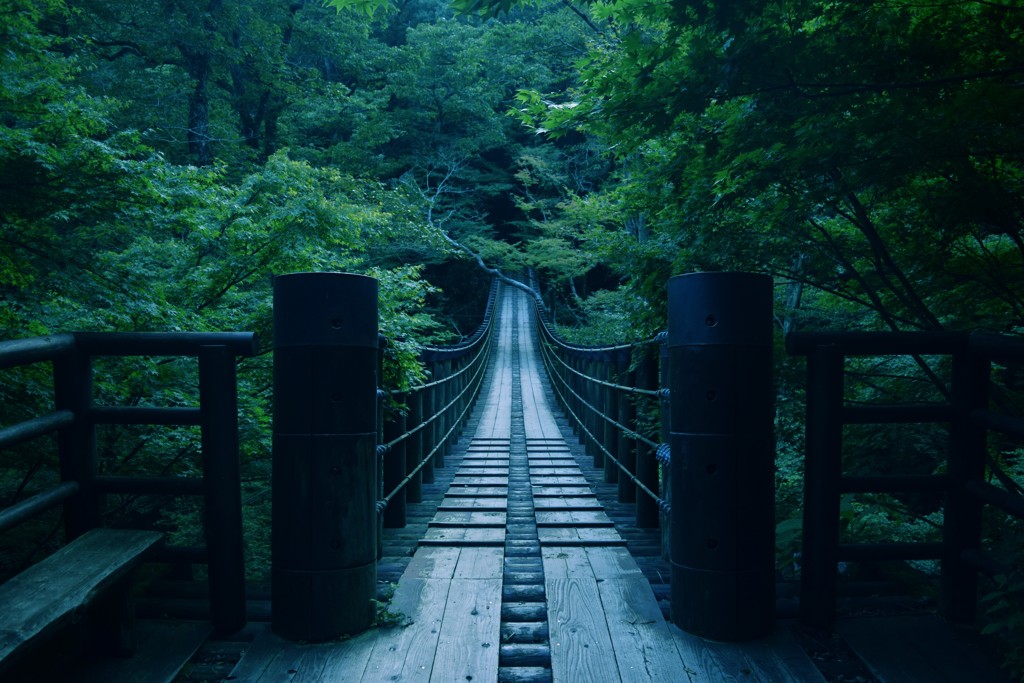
{"x": 722, "y": 471}
{"x": 324, "y": 519}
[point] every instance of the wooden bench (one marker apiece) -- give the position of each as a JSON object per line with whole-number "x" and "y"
{"x": 86, "y": 585}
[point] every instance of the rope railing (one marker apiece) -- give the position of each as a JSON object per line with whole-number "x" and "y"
{"x": 663, "y": 504}
{"x": 385, "y": 448}
{"x": 437, "y": 410}
{"x": 599, "y": 389}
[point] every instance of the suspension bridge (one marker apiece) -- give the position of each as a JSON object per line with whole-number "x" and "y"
{"x": 516, "y": 537}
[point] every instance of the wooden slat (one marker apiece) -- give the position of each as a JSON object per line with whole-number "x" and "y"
{"x": 407, "y": 653}
{"x": 468, "y": 644}
{"x": 581, "y": 647}
{"x": 644, "y": 647}
{"x": 775, "y": 659}
{"x": 480, "y": 563}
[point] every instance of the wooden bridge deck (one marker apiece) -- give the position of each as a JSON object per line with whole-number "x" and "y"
{"x": 519, "y": 545}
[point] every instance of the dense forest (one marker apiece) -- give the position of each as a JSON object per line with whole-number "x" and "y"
{"x": 160, "y": 161}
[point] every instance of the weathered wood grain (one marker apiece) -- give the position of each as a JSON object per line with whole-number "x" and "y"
{"x": 581, "y": 647}
{"x": 50, "y": 594}
{"x": 644, "y": 647}
{"x": 406, "y": 653}
{"x": 777, "y": 658}
{"x": 467, "y": 647}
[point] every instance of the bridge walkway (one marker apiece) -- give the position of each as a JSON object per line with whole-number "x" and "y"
{"x": 520, "y": 575}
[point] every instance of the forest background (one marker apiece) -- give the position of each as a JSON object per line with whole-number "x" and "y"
{"x": 159, "y": 161}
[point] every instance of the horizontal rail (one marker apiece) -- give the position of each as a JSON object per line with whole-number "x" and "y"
{"x": 879, "y": 343}
{"x": 998, "y": 346}
{"x": 36, "y": 505}
{"x": 164, "y": 343}
{"x": 36, "y": 427}
{"x": 34, "y": 349}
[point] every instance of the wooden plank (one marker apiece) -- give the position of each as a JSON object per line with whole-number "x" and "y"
{"x": 456, "y": 535}
{"x": 905, "y": 649}
{"x": 494, "y": 504}
{"x": 566, "y": 503}
{"x": 407, "y": 653}
{"x": 468, "y": 645}
{"x": 776, "y": 658}
{"x": 564, "y": 562}
{"x": 480, "y": 563}
{"x": 644, "y": 647}
{"x": 343, "y": 662}
{"x": 269, "y": 659}
{"x": 574, "y": 518}
{"x": 461, "y": 491}
{"x": 481, "y": 472}
{"x": 581, "y": 647}
{"x": 612, "y": 563}
{"x": 577, "y": 490}
{"x": 479, "y": 481}
{"x": 579, "y": 480}
{"x": 468, "y": 518}
{"x": 433, "y": 563}
{"x": 579, "y": 537}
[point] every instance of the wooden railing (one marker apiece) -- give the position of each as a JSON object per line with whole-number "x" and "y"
{"x": 970, "y": 415}
{"x": 75, "y": 417}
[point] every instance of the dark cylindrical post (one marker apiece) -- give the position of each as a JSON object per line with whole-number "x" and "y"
{"x": 323, "y": 547}
{"x": 646, "y": 463}
{"x": 395, "y": 468}
{"x": 222, "y": 485}
{"x": 967, "y": 449}
{"x": 723, "y": 544}
{"x": 76, "y": 443}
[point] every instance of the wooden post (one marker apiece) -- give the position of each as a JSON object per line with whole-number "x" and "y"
{"x": 819, "y": 555}
{"x": 323, "y": 542}
{"x": 76, "y": 443}
{"x": 395, "y": 468}
{"x": 723, "y": 469}
{"x": 961, "y": 530}
{"x": 646, "y": 463}
{"x": 414, "y": 452}
{"x": 627, "y": 446}
{"x": 222, "y": 485}
{"x": 609, "y": 405}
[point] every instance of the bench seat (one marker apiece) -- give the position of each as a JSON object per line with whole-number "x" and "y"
{"x": 90, "y": 574}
